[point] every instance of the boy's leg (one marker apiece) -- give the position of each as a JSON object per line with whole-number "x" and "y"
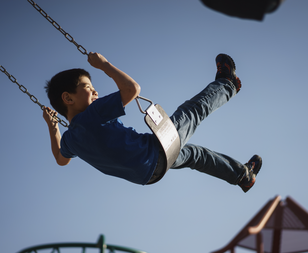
{"x": 191, "y": 113}
{"x": 188, "y": 117}
{"x": 219, "y": 165}
{"x": 210, "y": 162}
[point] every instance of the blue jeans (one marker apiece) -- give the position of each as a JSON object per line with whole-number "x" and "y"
{"x": 188, "y": 117}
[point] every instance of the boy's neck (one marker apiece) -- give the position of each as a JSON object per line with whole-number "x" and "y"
{"x": 71, "y": 114}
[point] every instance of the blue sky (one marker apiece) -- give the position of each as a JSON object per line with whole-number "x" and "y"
{"x": 169, "y": 48}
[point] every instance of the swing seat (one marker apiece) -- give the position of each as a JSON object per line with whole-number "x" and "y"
{"x": 163, "y": 128}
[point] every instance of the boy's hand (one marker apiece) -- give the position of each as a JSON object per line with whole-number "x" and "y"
{"x": 129, "y": 88}
{"x": 48, "y": 115}
{"x": 55, "y": 136}
{"x": 96, "y": 60}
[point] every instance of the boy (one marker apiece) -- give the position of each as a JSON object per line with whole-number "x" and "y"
{"x": 97, "y": 136}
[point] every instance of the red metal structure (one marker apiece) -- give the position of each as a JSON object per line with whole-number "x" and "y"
{"x": 279, "y": 227}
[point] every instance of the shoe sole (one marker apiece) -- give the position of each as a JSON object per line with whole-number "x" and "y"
{"x": 229, "y": 57}
{"x": 237, "y": 86}
{"x": 258, "y": 163}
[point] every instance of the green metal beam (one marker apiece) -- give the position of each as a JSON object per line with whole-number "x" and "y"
{"x": 100, "y": 245}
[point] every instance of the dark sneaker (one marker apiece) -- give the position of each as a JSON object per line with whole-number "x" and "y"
{"x": 226, "y": 69}
{"x": 252, "y": 169}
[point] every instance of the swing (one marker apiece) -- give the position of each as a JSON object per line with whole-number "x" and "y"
{"x": 163, "y": 128}
{"x": 155, "y": 117}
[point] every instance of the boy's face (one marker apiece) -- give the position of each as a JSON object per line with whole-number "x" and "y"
{"x": 85, "y": 94}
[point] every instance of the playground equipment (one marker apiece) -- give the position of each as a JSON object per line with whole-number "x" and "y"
{"x": 279, "y": 227}
{"x": 100, "y": 246}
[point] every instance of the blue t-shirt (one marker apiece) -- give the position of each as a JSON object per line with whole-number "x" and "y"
{"x": 98, "y": 137}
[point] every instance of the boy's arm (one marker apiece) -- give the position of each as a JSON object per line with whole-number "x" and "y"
{"x": 55, "y": 136}
{"x": 129, "y": 88}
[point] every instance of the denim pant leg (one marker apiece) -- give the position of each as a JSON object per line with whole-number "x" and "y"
{"x": 188, "y": 117}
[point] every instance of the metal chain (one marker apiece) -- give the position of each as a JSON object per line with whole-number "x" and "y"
{"x": 33, "y": 98}
{"x": 58, "y": 27}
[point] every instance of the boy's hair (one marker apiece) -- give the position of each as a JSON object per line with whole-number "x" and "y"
{"x": 65, "y": 81}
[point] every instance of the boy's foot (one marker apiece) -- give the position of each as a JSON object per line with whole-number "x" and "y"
{"x": 252, "y": 169}
{"x": 226, "y": 69}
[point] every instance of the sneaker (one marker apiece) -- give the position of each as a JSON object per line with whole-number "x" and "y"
{"x": 252, "y": 169}
{"x": 226, "y": 69}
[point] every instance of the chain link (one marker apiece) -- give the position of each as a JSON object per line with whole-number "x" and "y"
{"x": 32, "y": 97}
{"x": 67, "y": 36}
{"x": 58, "y": 27}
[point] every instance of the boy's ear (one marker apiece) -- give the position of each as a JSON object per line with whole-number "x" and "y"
{"x": 66, "y": 97}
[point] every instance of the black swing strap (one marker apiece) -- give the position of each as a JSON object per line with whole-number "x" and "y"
{"x": 58, "y": 27}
